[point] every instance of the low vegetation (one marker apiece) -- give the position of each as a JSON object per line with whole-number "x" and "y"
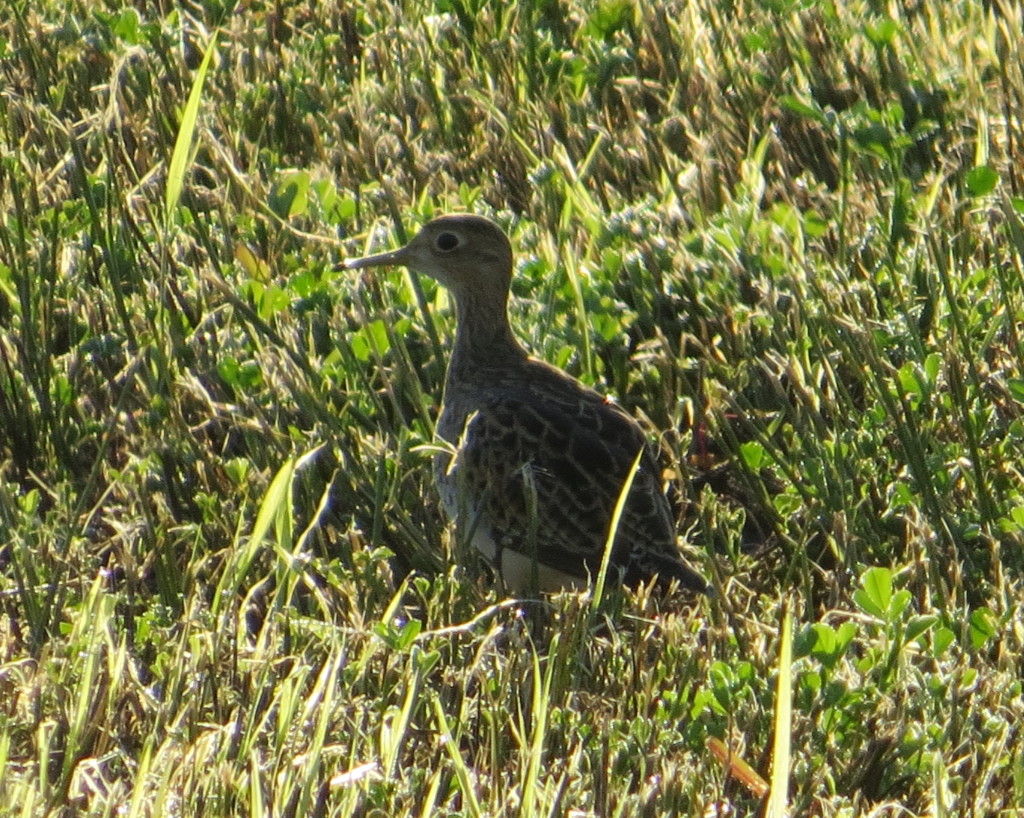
{"x": 788, "y": 235}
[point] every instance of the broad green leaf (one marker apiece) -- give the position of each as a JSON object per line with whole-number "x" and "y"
{"x": 981, "y": 181}
{"x": 983, "y": 628}
{"x": 883, "y": 32}
{"x": 801, "y": 108}
{"x": 290, "y": 195}
{"x": 919, "y": 625}
{"x": 875, "y": 593}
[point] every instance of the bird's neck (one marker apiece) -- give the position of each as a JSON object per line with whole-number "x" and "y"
{"x": 483, "y": 338}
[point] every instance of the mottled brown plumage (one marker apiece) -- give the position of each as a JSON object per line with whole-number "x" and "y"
{"x": 540, "y": 459}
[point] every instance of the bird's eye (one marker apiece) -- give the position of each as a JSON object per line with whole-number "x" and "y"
{"x": 446, "y": 242}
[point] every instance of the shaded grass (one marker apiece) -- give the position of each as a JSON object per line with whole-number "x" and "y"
{"x": 788, "y": 236}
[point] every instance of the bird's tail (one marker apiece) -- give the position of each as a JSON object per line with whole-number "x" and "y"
{"x": 665, "y": 568}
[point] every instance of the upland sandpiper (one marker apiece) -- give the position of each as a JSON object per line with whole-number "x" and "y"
{"x": 536, "y": 461}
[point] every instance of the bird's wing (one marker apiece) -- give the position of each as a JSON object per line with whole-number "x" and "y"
{"x": 546, "y": 475}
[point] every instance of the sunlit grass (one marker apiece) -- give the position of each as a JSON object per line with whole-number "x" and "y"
{"x": 787, "y": 236}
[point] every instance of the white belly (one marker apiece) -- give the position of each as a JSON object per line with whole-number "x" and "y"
{"x": 520, "y": 572}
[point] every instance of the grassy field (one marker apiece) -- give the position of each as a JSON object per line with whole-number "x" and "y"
{"x": 788, "y": 235}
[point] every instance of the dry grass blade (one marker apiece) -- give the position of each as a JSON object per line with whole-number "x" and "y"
{"x": 778, "y": 798}
{"x": 737, "y": 767}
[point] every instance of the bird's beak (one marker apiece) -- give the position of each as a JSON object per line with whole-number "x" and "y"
{"x": 395, "y": 258}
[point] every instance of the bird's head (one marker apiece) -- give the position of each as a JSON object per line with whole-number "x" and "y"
{"x": 464, "y": 253}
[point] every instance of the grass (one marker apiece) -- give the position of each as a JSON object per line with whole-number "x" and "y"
{"x": 787, "y": 235}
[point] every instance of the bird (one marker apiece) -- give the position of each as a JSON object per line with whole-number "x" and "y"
{"x": 532, "y": 462}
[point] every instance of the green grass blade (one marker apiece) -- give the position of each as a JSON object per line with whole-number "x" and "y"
{"x": 182, "y": 154}
{"x": 539, "y": 740}
{"x": 463, "y": 774}
{"x": 276, "y": 511}
{"x": 606, "y": 557}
